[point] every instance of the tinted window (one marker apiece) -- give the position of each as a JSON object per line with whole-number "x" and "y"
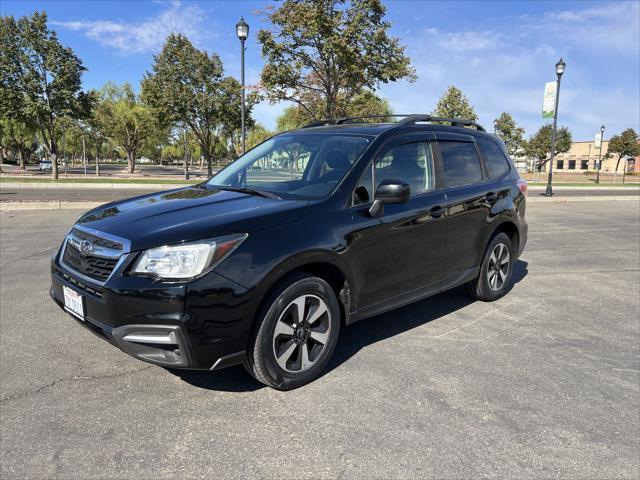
{"x": 460, "y": 163}
{"x": 572, "y": 164}
{"x": 410, "y": 162}
{"x": 497, "y": 163}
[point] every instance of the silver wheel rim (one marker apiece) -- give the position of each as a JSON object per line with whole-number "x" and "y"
{"x": 301, "y": 333}
{"x": 498, "y": 267}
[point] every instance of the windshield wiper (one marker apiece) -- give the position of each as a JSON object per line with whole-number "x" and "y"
{"x": 250, "y": 191}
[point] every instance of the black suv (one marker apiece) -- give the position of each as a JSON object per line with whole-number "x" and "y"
{"x": 311, "y": 230}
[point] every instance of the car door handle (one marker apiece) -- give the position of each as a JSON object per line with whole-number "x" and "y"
{"x": 491, "y": 197}
{"x": 437, "y": 211}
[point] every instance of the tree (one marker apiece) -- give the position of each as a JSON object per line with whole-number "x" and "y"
{"x": 364, "y": 103}
{"x": 188, "y": 86}
{"x": 257, "y": 135}
{"x": 329, "y": 50}
{"x": 41, "y": 79}
{"x": 129, "y": 122}
{"x": 509, "y": 132}
{"x": 624, "y": 145}
{"x": 455, "y": 104}
{"x": 539, "y": 145}
{"x": 20, "y": 137}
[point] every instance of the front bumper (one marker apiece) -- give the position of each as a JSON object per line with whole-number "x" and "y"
{"x": 204, "y": 324}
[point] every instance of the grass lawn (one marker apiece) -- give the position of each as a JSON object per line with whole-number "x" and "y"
{"x": 584, "y": 184}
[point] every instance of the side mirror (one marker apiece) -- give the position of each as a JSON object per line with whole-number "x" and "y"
{"x": 389, "y": 191}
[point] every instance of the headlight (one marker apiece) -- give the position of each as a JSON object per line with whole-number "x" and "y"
{"x": 187, "y": 260}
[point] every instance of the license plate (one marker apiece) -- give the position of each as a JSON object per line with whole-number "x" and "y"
{"x": 73, "y": 302}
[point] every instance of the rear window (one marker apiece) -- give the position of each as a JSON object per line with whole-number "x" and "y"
{"x": 497, "y": 163}
{"x": 460, "y": 163}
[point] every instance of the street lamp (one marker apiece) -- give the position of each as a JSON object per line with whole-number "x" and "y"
{"x": 242, "y": 31}
{"x": 600, "y": 154}
{"x": 560, "y": 66}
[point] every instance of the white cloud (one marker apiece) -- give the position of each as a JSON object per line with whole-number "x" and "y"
{"x": 146, "y": 35}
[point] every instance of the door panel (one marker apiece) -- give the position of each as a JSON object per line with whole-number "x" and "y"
{"x": 403, "y": 250}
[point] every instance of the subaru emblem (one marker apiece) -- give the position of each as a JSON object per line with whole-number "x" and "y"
{"x": 86, "y": 247}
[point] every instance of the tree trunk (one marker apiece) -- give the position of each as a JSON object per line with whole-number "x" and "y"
{"x": 21, "y": 159}
{"x": 131, "y": 160}
{"x": 97, "y": 164}
{"x": 54, "y": 165}
{"x": 209, "y": 168}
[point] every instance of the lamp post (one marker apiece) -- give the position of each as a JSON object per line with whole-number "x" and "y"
{"x": 242, "y": 31}
{"x": 600, "y": 154}
{"x": 560, "y": 66}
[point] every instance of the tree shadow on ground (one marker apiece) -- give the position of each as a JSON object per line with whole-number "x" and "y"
{"x": 354, "y": 337}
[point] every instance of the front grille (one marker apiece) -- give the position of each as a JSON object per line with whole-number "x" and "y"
{"x": 78, "y": 285}
{"x": 93, "y": 267}
{"x": 97, "y": 241}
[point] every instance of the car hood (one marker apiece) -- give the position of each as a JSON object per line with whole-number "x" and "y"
{"x": 187, "y": 214}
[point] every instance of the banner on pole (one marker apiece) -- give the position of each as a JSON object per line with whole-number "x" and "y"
{"x": 598, "y": 139}
{"x": 549, "y": 100}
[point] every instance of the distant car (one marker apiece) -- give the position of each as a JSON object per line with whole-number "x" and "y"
{"x": 265, "y": 268}
{"x": 45, "y": 166}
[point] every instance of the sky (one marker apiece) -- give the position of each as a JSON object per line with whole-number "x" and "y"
{"x": 499, "y": 53}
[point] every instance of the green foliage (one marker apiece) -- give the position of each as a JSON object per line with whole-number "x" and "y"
{"x": 41, "y": 81}
{"x": 328, "y": 50}
{"x": 455, "y": 104}
{"x": 509, "y": 132}
{"x": 364, "y": 103}
{"x": 539, "y": 145}
{"x": 623, "y": 145}
{"x": 127, "y": 121}
{"x": 18, "y": 137}
{"x": 257, "y": 135}
{"x": 187, "y": 86}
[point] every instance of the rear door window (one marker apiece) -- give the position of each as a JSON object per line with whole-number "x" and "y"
{"x": 497, "y": 163}
{"x": 460, "y": 163}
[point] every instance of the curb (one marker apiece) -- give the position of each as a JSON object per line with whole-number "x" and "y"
{"x": 67, "y": 205}
{"x": 597, "y": 198}
{"x": 48, "y": 205}
{"x": 96, "y": 186}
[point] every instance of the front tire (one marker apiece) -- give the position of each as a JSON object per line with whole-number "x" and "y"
{"x": 296, "y": 333}
{"x": 496, "y": 271}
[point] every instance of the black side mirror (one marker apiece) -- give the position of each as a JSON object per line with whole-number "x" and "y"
{"x": 389, "y": 191}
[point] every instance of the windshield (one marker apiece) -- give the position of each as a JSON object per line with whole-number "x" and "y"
{"x": 297, "y": 165}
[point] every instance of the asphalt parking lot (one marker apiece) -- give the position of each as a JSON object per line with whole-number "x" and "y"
{"x": 544, "y": 383}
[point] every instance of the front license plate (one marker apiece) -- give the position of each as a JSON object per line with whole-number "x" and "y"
{"x": 73, "y": 302}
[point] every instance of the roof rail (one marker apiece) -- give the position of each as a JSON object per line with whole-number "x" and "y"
{"x": 455, "y": 122}
{"x": 407, "y": 120}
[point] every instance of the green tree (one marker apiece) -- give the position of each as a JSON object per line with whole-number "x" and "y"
{"x": 364, "y": 103}
{"x": 331, "y": 50}
{"x": 455, "y": 104}
{"x": 509, "y": 132}
{"x": 256, "y": 135}
{"x": 539, "y": 145}
{"x": 41, "y": 79}
{"x": 19, "y": 137}
{"x": 188, "y": 86}
{"x": 129, "y": 122}
{"x": 624, "y": 145}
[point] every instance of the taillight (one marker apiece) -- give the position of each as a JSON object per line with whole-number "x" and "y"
{"x": 523, "y": 186}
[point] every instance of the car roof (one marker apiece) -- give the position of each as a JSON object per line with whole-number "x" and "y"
{"x": 376, "y": 129}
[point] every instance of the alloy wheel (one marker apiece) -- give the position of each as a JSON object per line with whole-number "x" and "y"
{"x": 301, "y": 333}
{"x": 498, "y": 267}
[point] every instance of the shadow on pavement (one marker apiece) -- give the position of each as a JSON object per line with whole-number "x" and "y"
{"x": 352, "y": 338}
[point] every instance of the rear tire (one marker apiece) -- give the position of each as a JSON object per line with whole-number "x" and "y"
{"x": 296, "y": 333}
{"x": 496, "y": 271}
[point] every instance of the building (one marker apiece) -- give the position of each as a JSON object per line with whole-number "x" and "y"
{"x": 583, "y": 157}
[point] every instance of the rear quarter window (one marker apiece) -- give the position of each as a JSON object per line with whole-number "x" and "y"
{"x": 460, "y": 163}
{"x": 497, "y": 163}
